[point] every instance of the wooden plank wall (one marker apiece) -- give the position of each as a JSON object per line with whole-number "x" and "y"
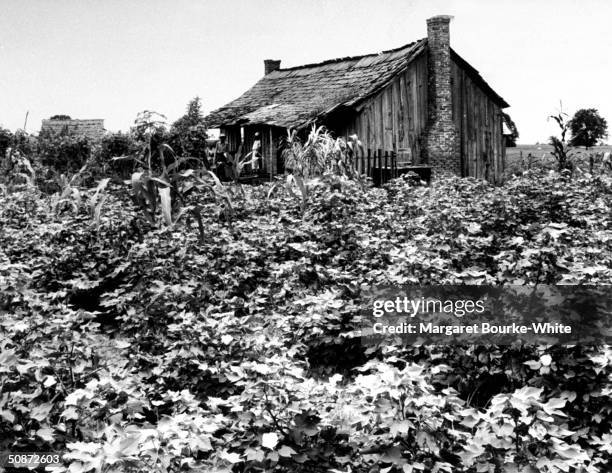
{"x": 395, "y": 118}
{"x": 479, "y": 122}
{"x": 271, "y": 140}
{"x": 271, "y": 137}
{"x": 232, "y": 137}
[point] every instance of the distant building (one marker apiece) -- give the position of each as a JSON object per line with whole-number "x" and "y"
{"x": 93, "y": 129}
{"x": 422, "y": 100}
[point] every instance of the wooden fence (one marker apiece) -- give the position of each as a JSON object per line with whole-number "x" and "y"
{"x": 382, "y": 166}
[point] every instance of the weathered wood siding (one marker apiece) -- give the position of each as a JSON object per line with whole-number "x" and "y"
{"x": 479, "y": 122}
{"x": 271, "y": 141}
{"x": 395, "y": 118}
{"x": 232, "y": 137}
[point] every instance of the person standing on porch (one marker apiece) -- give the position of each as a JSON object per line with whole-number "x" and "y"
{"x": 220, "y": 157}
{"x": 256, "y": 152}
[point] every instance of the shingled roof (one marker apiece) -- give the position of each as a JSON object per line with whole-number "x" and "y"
{"x": 295, "y": 96}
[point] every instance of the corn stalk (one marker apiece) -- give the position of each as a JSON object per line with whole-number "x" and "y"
{"x": 289, "y": 183}
{"x": 562, "y": 149}
{"x": 322, "y": 154}
{"x": 70, "y": 193}
{"x": 238, "y": 163}
{"x": 96, "y": 201}
{"x": 221, "y": 195}
{"x": 310, "y": 157}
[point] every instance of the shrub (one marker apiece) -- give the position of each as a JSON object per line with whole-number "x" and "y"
{"x": 63, "y": 152}
{"x": 25, "y": 143}
{"x": 112, "y": 146}
{"x": 6, "y": 140}
{"x": 16, "y": 171}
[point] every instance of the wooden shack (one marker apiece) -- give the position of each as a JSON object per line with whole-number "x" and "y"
{"x": 92, "y": 128}
{"x": 421, "y": 101}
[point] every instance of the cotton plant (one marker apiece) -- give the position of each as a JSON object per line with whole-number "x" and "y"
{"x": 527, "y": 430}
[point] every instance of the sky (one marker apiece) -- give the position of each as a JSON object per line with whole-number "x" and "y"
{"x": 114, "y": 58}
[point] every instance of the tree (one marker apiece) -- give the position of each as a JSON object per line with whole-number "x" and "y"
{"x": 193, "y": 116}
{"x": 60, "y": 117}
{"x": 514, "y": 134}
{"x": 189, "y": 132}
{"x": 587, "y": 127}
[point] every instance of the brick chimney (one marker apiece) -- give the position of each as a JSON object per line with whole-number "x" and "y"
{"x": 271, "y": 65}
{"x": 441, "y": 136}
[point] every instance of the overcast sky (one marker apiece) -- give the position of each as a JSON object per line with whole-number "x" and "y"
{"x": 111, "y": 59}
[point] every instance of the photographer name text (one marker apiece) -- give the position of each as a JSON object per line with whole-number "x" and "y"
{"x": 480, "y": 328}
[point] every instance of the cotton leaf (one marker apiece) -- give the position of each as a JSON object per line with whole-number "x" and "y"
{"x": 571, "y": 452}
{"x": 49, "y": 381}
{"x": 21, "y": 326}
{"x": 41, "y": 412}
{"x": 77, "y": 467}
{"x": 269, "y": 440}
{"x": 255, "y": 455}
{"x": 286, "y": 451}
{"x": 230, "y": 457}
{"x": 473, "y": 227}
{"x": 7, "y": 416}
{"x": 261, "y": 368}
{"x": 528, "y": 392}
{"x": 70, "y": 413}
{"x": 46, "y": 434}
{"x": 7, "y": 359}
{"x": 553, "y": 404}
{"x": 545, "y": 360}
{"x": 470, "y": 421}
{"x": 82, "y": 447}
{"x": 400, "y": 427}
